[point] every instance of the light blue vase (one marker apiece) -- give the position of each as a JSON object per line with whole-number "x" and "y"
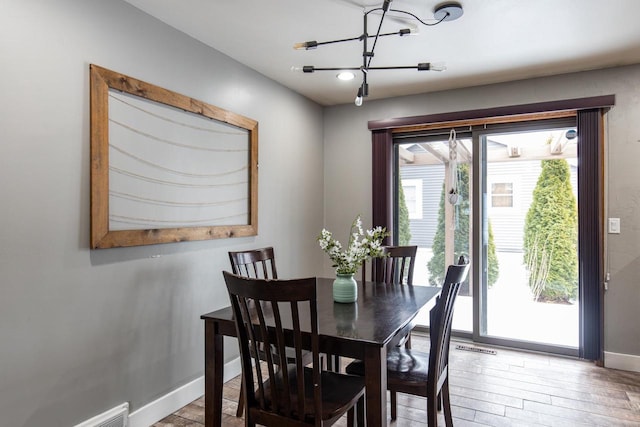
{"x": 345, "y": 288}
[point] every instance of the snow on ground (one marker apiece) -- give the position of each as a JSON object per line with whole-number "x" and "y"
{"x": 512, "y": 312}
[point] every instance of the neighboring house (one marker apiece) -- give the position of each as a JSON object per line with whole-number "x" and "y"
{"x": 422, "y": 187}
{"x": 510, "y": 188}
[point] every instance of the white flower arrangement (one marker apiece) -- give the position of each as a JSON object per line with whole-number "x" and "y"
{"x": 363, "y": 245}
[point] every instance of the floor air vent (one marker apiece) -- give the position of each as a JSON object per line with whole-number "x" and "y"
{"x": 476, "y": 349}
{"x": 115, "y": 417}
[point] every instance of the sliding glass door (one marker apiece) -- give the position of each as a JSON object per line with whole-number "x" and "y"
{"x": 516, "y": 186}
{"x": 434, "y": 211}
{"x": 529, "y": 239}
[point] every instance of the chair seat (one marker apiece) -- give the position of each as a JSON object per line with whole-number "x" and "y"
{"x": 403, "y": 365}
{"x": 339, "y": 391}
{"x": 407, "y": 366}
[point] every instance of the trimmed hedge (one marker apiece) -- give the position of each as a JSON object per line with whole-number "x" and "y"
{"x": 404, "y": 230}
{"x": 551, "y": 235}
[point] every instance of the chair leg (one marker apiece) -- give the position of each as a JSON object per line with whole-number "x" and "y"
{"x": 350, "y": 418}
{"x": 360, "y": 410}
{"x": 432, "y": 411}
{"x": 446, "y": 402}
{"x": 394, "y": 404}
{"x": 240, "y": 409}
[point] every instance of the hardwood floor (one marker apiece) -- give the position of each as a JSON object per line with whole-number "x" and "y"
{"x": 509, "y": 388}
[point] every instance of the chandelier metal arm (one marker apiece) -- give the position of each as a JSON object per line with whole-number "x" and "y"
{"x": 311, "y": 69}
{"x": 312, "y": 44}
{"x": 365, "y": 53}
{"x": 422, "y": 66}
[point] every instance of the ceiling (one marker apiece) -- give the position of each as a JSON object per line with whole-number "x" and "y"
{"x": 494, "y": 41}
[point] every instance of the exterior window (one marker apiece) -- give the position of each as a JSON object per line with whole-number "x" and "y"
{"x": 502, "y": 195}
{"x": 413, "y": 197}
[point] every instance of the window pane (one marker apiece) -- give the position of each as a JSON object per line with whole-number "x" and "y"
{"x": 502, "y": 194}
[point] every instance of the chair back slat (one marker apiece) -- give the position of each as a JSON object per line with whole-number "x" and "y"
{"x": 255, "y": 263}
{"x": 281, "y": 400}
{"x": 246, "y": 334}
{"x": 440, "y": 322}
{"x": 270, "y": 317}
{"x": 267, "y": 344}
{"x": 297, "y": 341}
{"x": 395, "y": 267}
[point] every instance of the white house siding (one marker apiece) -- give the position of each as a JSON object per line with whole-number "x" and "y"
{"x": 423, "y": 230}
{"x": 507, "y": 223}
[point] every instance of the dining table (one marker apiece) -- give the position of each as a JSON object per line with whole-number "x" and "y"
{"x": 381, "y": 317}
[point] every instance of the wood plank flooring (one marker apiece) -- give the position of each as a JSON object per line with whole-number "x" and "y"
{"x": 510, "y": 388}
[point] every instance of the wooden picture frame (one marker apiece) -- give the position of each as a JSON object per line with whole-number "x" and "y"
{"x": 179, "y": 169}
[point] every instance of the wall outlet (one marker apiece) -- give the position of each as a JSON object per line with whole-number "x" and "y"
{"x": 614, "y": 225}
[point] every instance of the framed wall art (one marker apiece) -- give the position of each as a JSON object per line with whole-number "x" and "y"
{"x": 166, "y": 167}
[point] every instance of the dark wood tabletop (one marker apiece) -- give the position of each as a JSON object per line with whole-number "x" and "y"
{"x": 380, "y": 317}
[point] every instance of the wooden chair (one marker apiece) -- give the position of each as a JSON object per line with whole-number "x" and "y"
{"x": 271, "y": 315}
{"x": 395, "y": 267}
{"x": 257, "y": 264}
{"x": 426, "y": 374}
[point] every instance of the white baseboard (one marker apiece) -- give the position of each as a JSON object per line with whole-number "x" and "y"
{"x": 627, "y": 362}
{"x": 176, "y": 399}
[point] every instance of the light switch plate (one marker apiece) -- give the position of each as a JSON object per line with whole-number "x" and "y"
{"x": 614, "y": 225}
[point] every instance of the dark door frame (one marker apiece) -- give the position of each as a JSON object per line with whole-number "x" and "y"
{"x": 589, "y": 114}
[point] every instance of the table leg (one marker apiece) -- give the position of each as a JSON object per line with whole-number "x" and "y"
{"x": 213, "y": 374}
{"x": 375, "y": 368}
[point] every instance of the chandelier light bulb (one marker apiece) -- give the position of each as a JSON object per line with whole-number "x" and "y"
{"x": 345, "y": 75}
{"x": 437, "y": 66}
{"x": 306, "y": 45}
{"x": 358, "y": 101}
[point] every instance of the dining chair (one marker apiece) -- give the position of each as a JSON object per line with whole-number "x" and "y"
{"x": 426, "y": 374}
{"x": 272, "y": 316}
{"x": 395, "y": 266}
{"x": 257, "y": 264}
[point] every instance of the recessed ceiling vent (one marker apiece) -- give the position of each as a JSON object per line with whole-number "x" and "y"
{"x": 115, "y": 417}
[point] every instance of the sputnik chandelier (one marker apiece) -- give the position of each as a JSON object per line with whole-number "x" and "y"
{"x": 443, "y": 12}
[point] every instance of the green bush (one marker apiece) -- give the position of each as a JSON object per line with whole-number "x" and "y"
{"x": 492, "y": 260}
{"x": 436, "y": 265}
{"x": 404, "y": 231}
{"x": 551, "y": 235}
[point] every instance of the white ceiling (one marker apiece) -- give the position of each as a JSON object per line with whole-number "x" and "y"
{"x": 494, "y": 41}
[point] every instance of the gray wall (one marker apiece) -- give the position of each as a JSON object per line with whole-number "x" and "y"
{"x": 348, "y": 161}
{"x": 80, "y": 330}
